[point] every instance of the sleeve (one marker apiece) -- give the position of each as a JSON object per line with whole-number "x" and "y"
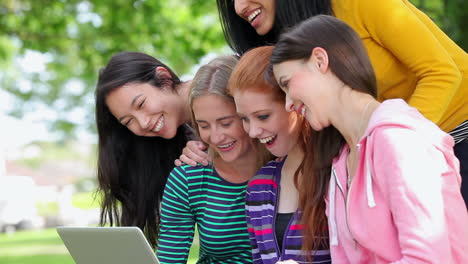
{"x": 257, "y": 258}
{"x": 393, "y": 25}
{"x": 409, "y": 170}
{"x": 176, "y": 229}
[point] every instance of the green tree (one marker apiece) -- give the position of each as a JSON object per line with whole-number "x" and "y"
{"x": 79, "y": 37}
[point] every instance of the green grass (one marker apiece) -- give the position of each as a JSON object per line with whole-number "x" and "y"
{"x": 44, "y": 247}
{"x": 86, "y": 200}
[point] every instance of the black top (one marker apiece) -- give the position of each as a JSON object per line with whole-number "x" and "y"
{"x": 281, "y": 223}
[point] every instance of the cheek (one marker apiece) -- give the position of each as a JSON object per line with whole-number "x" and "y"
{"x": 295, "y": 90}
{"x": 238, "y": 130}
{"x": 204, "y": 135}
{"x": 246, "y": 127}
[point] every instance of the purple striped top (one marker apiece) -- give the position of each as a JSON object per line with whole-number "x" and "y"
{"x": 261, "y": 209}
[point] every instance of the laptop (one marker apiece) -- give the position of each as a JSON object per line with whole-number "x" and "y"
{"x": 107, "y": 245}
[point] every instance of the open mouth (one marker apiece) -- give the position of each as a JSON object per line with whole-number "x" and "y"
{"x": 302, "y": 110}
{"x": 268, "y": 140}
{"x": 226, "y": 147}
{"x": 254, "y": 15}
{"x": 159, "y": 125}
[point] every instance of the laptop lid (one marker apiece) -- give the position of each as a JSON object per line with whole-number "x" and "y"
{"x": 107, "y": 245}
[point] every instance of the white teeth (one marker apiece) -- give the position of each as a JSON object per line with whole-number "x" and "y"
{"x": 266, "y": 140}
{"x": 303, "y": 111}
{"x": 226, "y": 145}
{"x": 159, "y": 125}
{"x": 254, "y": 15}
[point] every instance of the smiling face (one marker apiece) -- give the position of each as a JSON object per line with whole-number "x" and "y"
{"x": 259, "y": 13}
{"x": 307, "y": 90}
{"x": 147, "y": 110}
{"x": 220, "y": 127}
{"x": 265, "y": 119}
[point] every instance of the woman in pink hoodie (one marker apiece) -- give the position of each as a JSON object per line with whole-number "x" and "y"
{"x": 392, "y": 181}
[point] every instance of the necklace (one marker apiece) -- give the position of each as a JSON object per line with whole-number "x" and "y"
{"x": 360, "y": 128}
{"x": 361, "y": 122}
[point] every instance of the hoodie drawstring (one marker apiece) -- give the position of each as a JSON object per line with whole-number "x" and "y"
{"x": 369, "y": 191}
{"x": 332, "y": 193}
{"x": 331, "y": 198}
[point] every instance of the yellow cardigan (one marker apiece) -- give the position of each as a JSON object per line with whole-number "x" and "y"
{"x": 412, "y": 58}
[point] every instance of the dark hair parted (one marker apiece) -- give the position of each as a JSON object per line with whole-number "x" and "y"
{"x": 241, "y": 36}
{"x": 132, "y": 170}
{"x": 349, "y": 61}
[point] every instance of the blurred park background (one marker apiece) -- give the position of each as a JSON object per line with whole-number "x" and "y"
{"x": 50, "y": 53}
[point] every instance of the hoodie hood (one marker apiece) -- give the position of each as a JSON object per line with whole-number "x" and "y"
{"x": 397, "y": 113}
{"x": 392, "y": 113}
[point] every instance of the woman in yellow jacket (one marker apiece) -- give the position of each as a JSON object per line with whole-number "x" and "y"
{"x": 413, "y": 59}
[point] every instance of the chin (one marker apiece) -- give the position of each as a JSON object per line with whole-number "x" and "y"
{"x": 169, "y": 134}
{"x": 227, "y": 158}
{"x": 279, "y": 153}
{"x": 264, "y": 29}
{"x": 262, "y": 32}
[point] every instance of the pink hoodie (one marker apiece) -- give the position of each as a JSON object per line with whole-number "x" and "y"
{"x": 404, "y": 204}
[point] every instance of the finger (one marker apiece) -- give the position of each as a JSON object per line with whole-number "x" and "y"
{"x": 188, "y": 160}
{"x": 195, "y": 156}
{"x": 196, "y": 147}
{"x": 177, "y": 162}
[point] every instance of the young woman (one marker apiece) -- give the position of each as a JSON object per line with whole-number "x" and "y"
{"x": 211, "y": 197}
{"x": 428, "y": 70}
{"x": 273, "y": 204}
{"x": 394, "y": 184}
{"x": 141, "y": 115}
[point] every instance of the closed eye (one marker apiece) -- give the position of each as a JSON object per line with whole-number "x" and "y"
{"x": 263, "y": 117}
{"x": 226, "y": 124}
{"x": 128, "y": 122}
{"x": 141, "y": 104}
{"x": 284, "y": 84}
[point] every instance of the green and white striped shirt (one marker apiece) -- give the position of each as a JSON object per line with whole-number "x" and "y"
{"x": 198, "y": 195}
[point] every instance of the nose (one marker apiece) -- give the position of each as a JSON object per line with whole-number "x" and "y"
{"x": 143, "y": 121}
{"x": 216, "y": 136}
{"x": 288, "y": 104}
{"x": 254, "y": 130}
{"x": 240, "y": 6}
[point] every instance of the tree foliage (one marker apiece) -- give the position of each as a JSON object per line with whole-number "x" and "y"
{"x": 78, "y": 37}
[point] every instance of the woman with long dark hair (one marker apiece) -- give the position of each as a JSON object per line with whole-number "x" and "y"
{"x": 412, "y": 58}
{"x": 141, "y": 115}
{"x": 390, "y": 176}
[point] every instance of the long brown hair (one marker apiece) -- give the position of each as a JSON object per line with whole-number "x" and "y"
{"x": 349, "y": 61}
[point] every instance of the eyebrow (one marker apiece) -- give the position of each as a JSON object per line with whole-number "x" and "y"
{"x": 133, "y": 102}
{"x": 218, "y": 119}
{"x": 253, "y": 113}
{"x": 135, "y": 98}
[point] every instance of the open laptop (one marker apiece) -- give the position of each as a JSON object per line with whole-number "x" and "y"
{"x": 107, "y": 245}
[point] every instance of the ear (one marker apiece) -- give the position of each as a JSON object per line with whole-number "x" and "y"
{"x": 319, "y": 58}
{"x": 162, "y": 73}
